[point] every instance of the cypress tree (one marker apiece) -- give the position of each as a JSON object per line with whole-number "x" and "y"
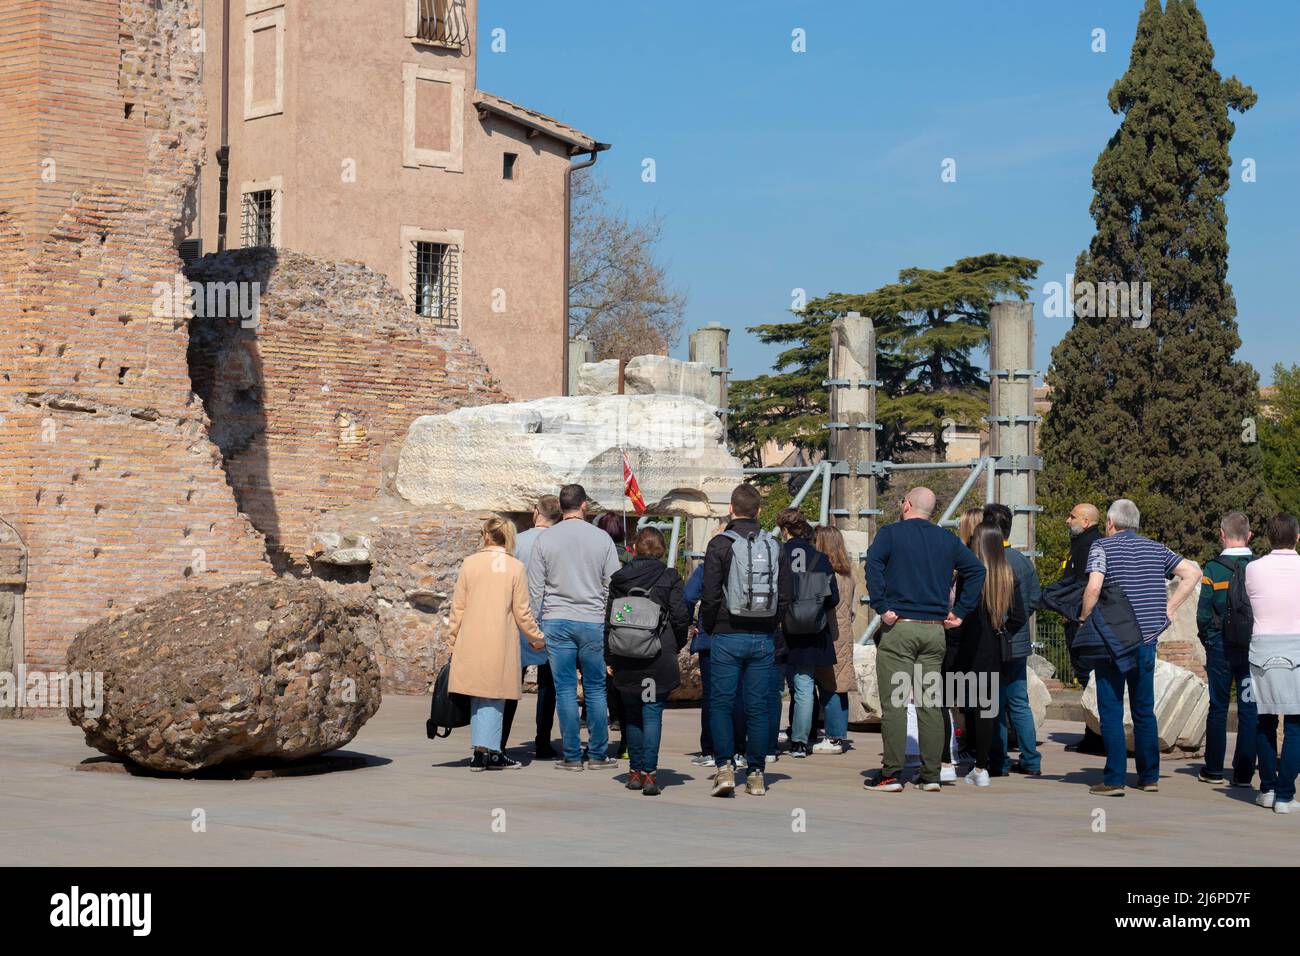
{"x": 1155, "y": 407}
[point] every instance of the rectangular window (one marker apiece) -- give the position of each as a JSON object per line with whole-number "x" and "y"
{"x": 264, "y": 64}
{"x": 435, "y": 280}
{"x": 440, "y": 22}
{"x": 433, "y": 121}
{"x": 508, "y": 165}
{"x": 190, "y": 250}
{"x": 259, "y": 218}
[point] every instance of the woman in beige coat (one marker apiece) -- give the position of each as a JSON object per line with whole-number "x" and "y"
{"x": 489, "y": 609}
{"x": 833, "y": 683}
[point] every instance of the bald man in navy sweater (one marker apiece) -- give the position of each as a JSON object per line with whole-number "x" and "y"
{"x": 910, "y": 569}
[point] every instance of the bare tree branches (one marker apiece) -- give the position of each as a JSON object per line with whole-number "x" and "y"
{"x": 619, "y": 294}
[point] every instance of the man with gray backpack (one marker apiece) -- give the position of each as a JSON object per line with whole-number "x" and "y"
{"x": 745, "y": 592}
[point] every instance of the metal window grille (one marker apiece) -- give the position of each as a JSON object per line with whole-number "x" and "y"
{"x": 258, "y": 208}
{"x": 435, "y": 281}
{"x": 190, "y": 250}
{"x": 443, "y": 21}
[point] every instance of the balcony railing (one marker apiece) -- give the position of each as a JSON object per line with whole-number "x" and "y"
{"x": 443, "y": 21}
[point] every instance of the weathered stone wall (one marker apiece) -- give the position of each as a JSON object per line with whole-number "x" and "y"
{"x": 13, "y": 581}
{"x": 401, "y": 599}
{"x": 305, "y": 402}
{"x": 105, "y": 465}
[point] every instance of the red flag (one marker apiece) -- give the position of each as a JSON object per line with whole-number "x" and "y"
{"x": 631, "y": 489}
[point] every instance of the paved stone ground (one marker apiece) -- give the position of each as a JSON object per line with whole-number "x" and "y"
{"x": 417, "y": 804}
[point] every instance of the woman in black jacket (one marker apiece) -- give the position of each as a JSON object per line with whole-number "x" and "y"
{"x": 643, "y": 686}
{"x": 806, "y": 650}
{"x": 978, "y": 664}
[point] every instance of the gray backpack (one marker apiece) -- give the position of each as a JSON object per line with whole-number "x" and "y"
{"x": 750, "y": 589}
{"x": 636, "y": 626}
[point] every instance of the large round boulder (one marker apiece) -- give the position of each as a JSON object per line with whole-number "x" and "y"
{"x": 196, "y": 678}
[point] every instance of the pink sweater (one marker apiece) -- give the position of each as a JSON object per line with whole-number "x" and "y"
{"x": 1273, "y": 584}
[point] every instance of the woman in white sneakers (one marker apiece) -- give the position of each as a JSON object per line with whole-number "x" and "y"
{"x": 978, "y": 665}
{"x": 1273, "y": 586}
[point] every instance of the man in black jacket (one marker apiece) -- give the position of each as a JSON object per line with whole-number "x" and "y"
{"x": 1082, "y": 521}
{"x": 743, "y": 645}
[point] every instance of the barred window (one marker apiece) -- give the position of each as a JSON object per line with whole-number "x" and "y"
{"x": 441, "y": 21}
{"x": 435, "y": 280}
{"x": 258, "y": 218}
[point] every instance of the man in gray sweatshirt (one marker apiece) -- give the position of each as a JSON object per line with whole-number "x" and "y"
{"x": 568, "y": 584}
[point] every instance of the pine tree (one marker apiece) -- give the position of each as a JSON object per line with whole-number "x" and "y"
{"x": 1279, "y": 439}
{"x": 927, "y": 323}
{"x": 1155, "y": 407}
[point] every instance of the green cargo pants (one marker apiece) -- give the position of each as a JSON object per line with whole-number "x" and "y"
{"x": 905, "y": 650}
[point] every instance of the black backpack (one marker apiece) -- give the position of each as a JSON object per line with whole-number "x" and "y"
{"x": 448, "y": 710}
{"x": 808, "y": 593}
{"x": 1238, "y": 624}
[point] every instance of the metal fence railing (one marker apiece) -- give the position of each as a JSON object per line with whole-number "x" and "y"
{"x": 1051, "y": 645}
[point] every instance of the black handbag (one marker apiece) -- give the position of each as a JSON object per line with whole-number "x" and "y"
{"x": 448, "y": 711}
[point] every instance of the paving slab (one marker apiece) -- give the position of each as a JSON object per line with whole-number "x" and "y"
{"x": 416, "y": 803}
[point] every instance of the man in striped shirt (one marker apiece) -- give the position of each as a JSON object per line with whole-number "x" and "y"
{"x": 1139, "y": 567}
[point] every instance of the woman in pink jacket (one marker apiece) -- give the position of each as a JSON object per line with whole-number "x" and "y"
{"x": 1273, "y": 586}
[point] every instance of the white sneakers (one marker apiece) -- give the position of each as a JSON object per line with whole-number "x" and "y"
{"x": 978, "y": 777}
{"x": 1269, "y": 801}
{"x": 827, "y": 746}
{"x": 947, "y": 773}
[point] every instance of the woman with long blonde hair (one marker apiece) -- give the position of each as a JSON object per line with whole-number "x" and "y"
{"x": 489, "y": 610}
{"x": 971, "y": 519}
{"x": 980, "y": 645}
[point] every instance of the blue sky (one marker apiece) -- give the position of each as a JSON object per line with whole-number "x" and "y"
{"x": 820, "y": 170}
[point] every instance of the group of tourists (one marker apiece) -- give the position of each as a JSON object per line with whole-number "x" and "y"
{"x": 765, "y": 614}
{"x": 1114, "y": 597}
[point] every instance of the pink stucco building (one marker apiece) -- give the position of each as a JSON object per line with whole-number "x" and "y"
{"x": 358, "y": 131}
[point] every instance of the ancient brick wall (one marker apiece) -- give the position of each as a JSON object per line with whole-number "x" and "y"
{"x": 119, "y": 484}
{"x": 306, "y": 402}
{"x": 105, "y": 466}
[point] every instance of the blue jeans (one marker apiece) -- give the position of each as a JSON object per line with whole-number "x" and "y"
{"x": 706, "y": 708}
{"x": 1013, "y": 708}
{"x": 644, "y": 727}
{"x": 776, "y": 685}
{"x": 749, "y": 655}
{"x": 572, "y": 645}
{"x": 836, "y": 708}
{"x": 1142, "y": 702}
{"x": 1225, "y": 666}
{"x": 1280, "y": 780}
{"x": 485, "y": 716}
{"x": 805, "y": 691}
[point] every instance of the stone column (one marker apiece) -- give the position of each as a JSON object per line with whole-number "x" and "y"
{"x": 1013, "y": 425}
{"x": 581, "y": 351}
{"x": 709, "y": 345}
{"x": 852, "y": 444}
